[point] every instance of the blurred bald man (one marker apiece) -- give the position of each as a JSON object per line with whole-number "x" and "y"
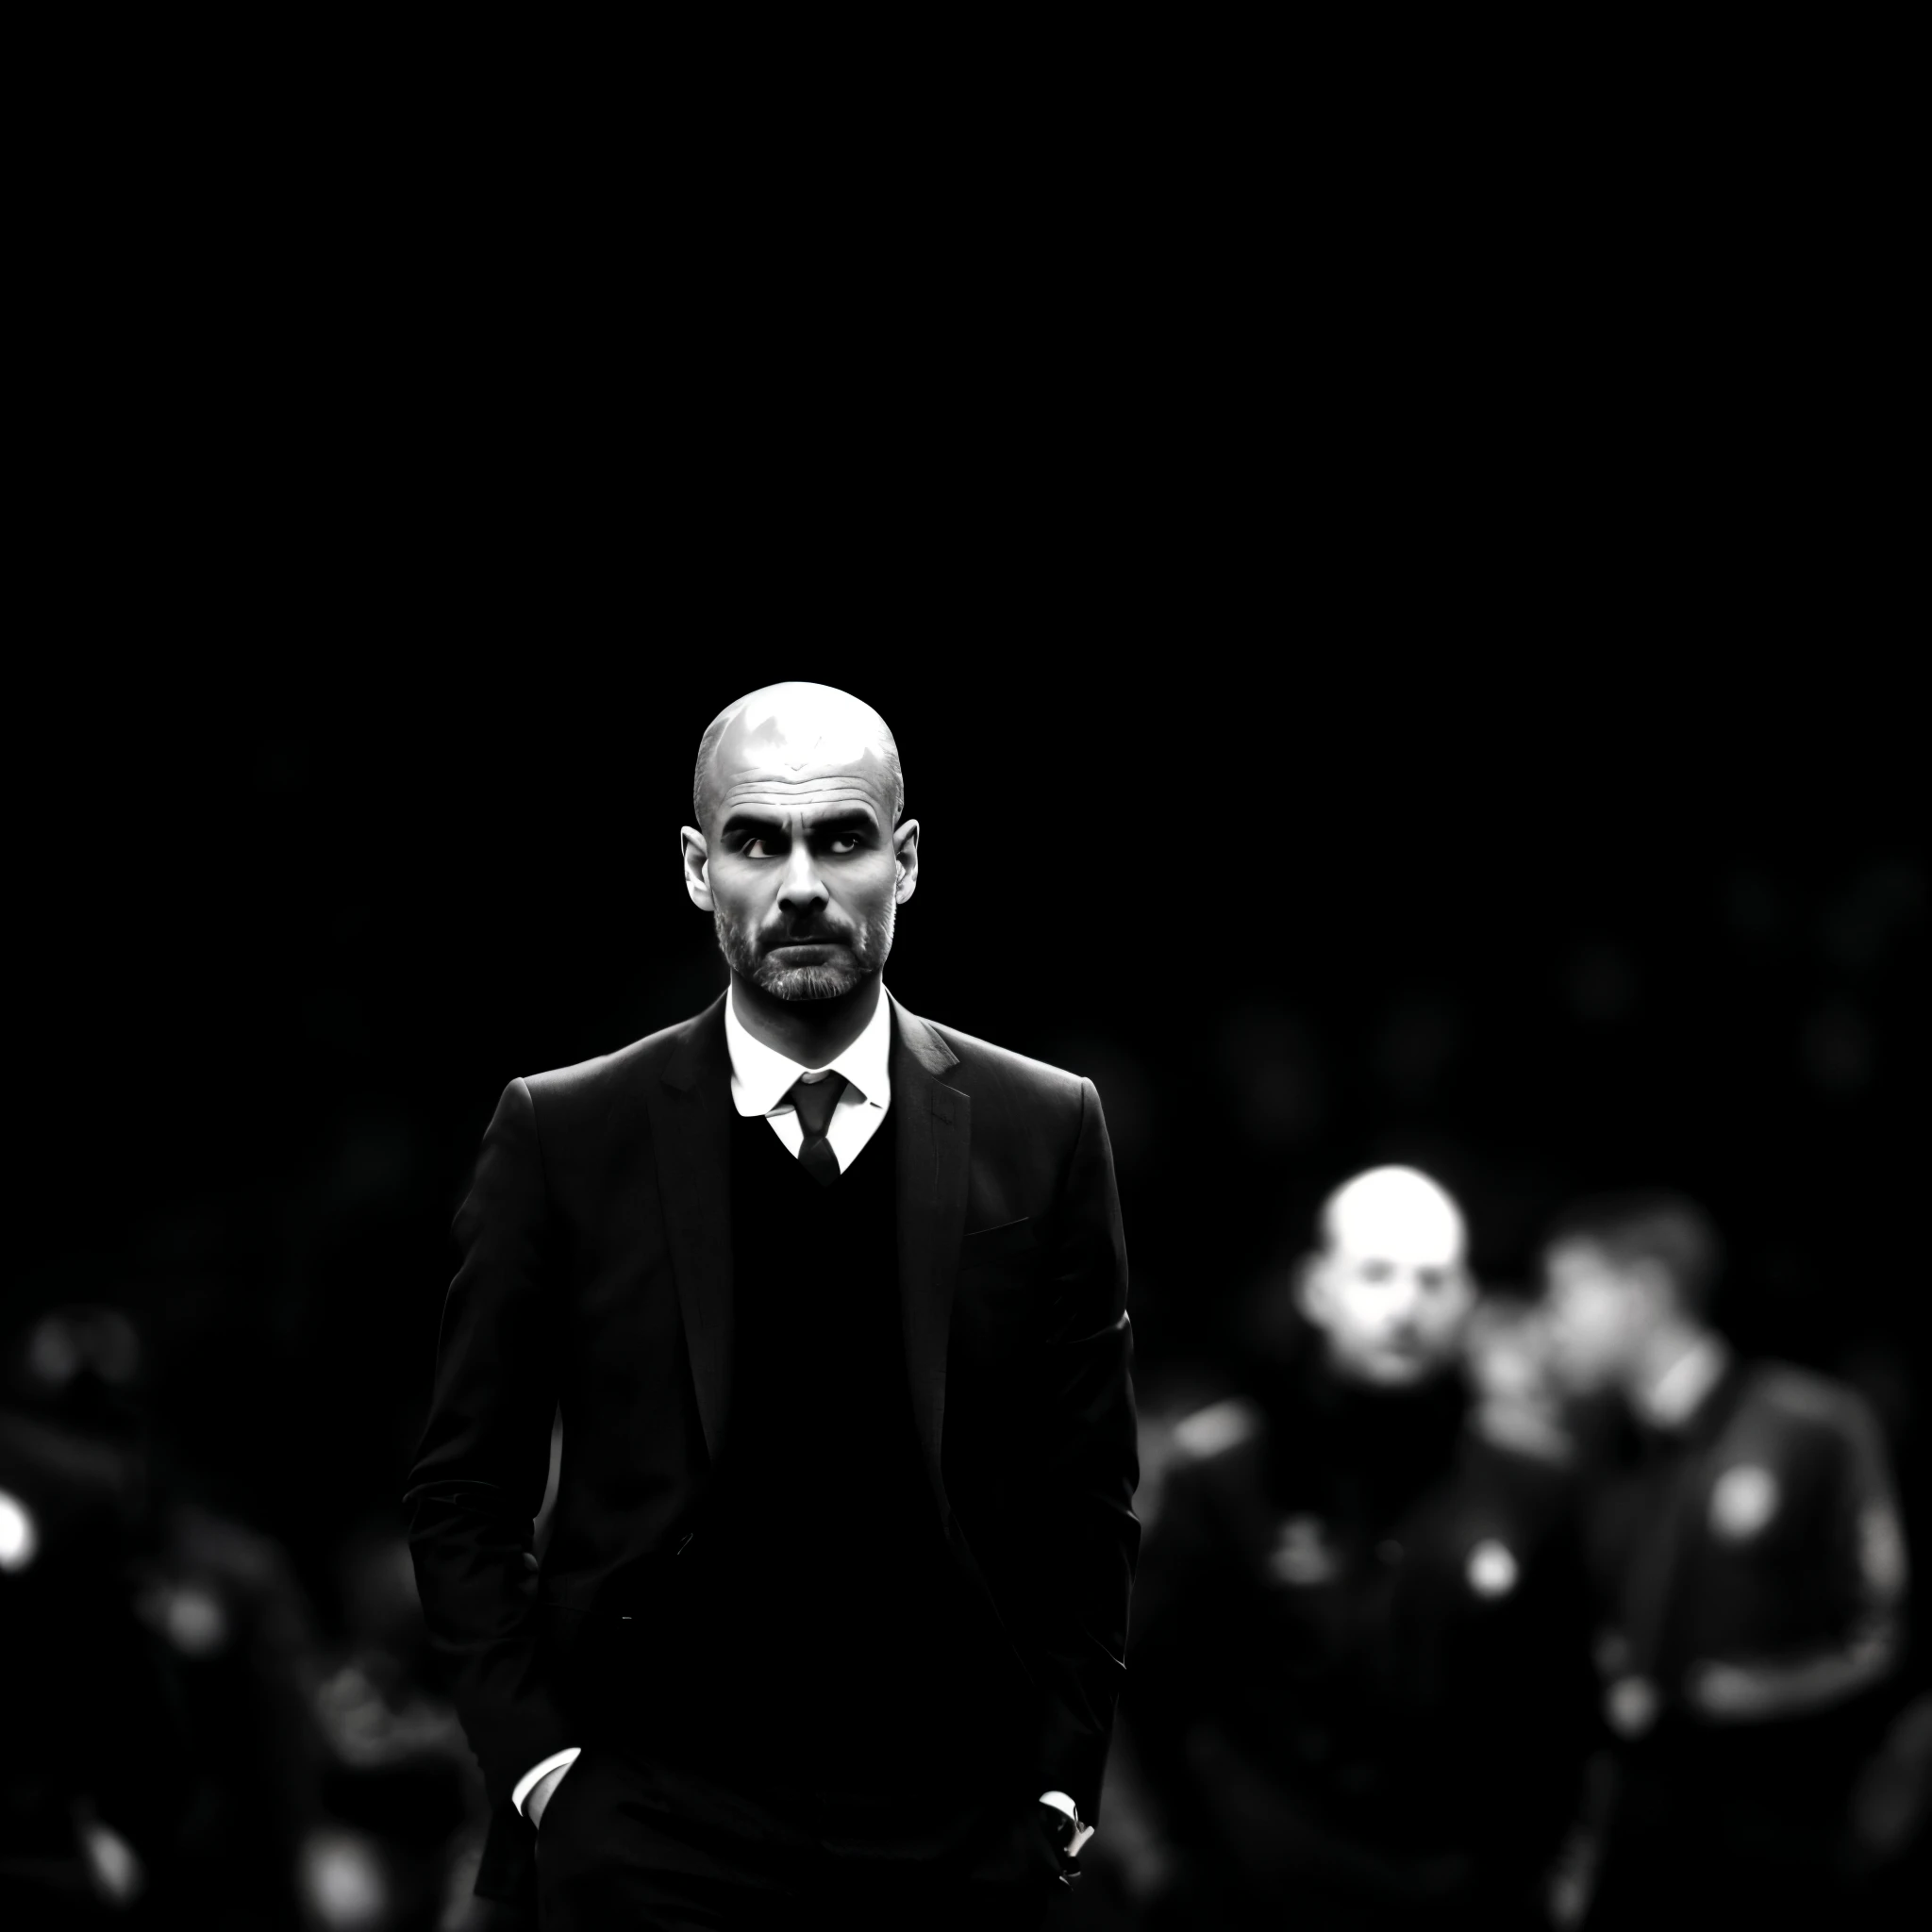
{"x": 1361, "y": 1672}
{"x": 830, "y": 1622}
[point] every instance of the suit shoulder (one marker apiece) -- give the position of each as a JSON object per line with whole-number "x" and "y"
{"x": 590, "y": 1080}
{"x": 1802, "y": 1392}
{"x": 1036, "y": 1077}
{"x": 1523, "y": 1438}
{"x": 1530, "y": 1476}
{"x": 1802, "y": 1403}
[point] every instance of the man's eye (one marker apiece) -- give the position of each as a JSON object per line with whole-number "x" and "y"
{"x": 843, "y": 845}
{"x": 755, "y": 848}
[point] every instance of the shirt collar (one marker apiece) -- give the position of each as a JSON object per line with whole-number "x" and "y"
{"x": 761, "y": 1077}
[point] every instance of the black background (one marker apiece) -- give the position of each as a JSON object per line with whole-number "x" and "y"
{"x": 1406, "y": 673}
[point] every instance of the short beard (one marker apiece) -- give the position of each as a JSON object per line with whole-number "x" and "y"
{"x": 869, "y": 949}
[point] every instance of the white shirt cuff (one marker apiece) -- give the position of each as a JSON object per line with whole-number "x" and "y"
{"x": 1061, "y": 1802}
{"x": 538, "y": 1773}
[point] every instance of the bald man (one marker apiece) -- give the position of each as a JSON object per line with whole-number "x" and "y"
{"x": 1361, "y": 1671}
{"x": 830, "y": 1622}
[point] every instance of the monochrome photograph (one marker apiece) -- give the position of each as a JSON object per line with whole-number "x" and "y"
{"x": 1070, "y": 1116}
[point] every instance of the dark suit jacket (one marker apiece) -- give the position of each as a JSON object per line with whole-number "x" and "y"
{"x": 596, "y": 1274}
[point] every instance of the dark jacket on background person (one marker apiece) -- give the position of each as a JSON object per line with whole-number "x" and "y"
{"x": 1764, "y": 1533}
{"x": 1760, "y": 1536}
{"x": 93, "y": 1720}
{"x": 602, "y": 1272}
{"x": 1361, "y": 1674}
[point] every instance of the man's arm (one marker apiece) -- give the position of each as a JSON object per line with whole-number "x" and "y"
{"x": 1086, "y": 1469}
{"x": 479, "y": 1473}
{"x": 1863, "y": 1550}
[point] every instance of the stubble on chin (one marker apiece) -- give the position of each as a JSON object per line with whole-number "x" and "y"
{"x": 800, "y": 983}
{"x": 804, "y": 982}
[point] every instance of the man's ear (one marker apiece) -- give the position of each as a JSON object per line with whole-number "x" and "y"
{"x": 696, "y": 857}
{"x": 905, "y": 854}
{"x": 1311, "y": 1290}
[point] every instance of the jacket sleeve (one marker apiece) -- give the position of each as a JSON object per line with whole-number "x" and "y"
{"x": 479, "y": 1475}
{"x": 1869, "y": 1544}
{"x": 1860, "y": 1574}
{"x": 1087, "y": 1468}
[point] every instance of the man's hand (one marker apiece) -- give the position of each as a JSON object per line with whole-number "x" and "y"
{"x": 1030, "y": 1851}
{"x": 540, "y": 1791}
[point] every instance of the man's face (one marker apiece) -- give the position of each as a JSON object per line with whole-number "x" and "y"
{"x": 1594, "y": 1316}
{"x": 1394, "y": 1310}
{"x": 799, "y": 861}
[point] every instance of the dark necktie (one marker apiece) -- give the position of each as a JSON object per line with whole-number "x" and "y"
{"x": 815, "y": 1101}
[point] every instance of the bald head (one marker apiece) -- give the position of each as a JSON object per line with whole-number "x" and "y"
{"x": 798, "y": 731}
{"x": 1389, "y": 1286}
{"x": 1397, "y": 1213}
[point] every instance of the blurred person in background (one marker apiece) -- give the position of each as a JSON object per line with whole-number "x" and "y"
{"x": 167, "y": 1709}
{"x": 407, "y": 1808}
{"x": 224, "y": 1600}
{"x": 830, "y": 1622}
{"x": 1360, "y": 1688}
{"x": 1515, "y": 1397}
{"x": 95, "y": 1746}
{"x": 1891, "y": 1818}
{"x": 1750, "y": 1573}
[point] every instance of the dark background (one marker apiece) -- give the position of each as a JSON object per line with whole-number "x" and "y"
{"x": 1400, "y": 630}
{"x": 1395, "y": 655}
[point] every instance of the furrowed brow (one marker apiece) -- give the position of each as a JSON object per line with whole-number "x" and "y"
{"x": 750, "y": 820}
{"x": 842, "y": 818}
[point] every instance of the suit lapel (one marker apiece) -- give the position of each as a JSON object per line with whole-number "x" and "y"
{"x": 935, "y": 1148}
{"x": 690, "y": 1119}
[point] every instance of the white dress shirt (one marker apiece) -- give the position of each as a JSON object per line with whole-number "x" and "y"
{"x": 762, "y": 1078}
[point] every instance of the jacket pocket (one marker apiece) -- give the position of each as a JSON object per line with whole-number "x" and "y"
{"x": 1001, "y": 1243}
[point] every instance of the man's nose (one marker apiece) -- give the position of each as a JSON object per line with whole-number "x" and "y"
{"x": 801, "y": 889}
{"x": 1405, "y": 1304}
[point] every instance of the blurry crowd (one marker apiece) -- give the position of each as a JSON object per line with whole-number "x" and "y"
{"x": 1509, "y": 1610}
{"x": 1458, "y": 1606}
{"x": 194, "y": 1735}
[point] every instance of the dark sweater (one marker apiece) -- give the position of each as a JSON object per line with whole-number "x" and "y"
{"x": 823, "y": 1620}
